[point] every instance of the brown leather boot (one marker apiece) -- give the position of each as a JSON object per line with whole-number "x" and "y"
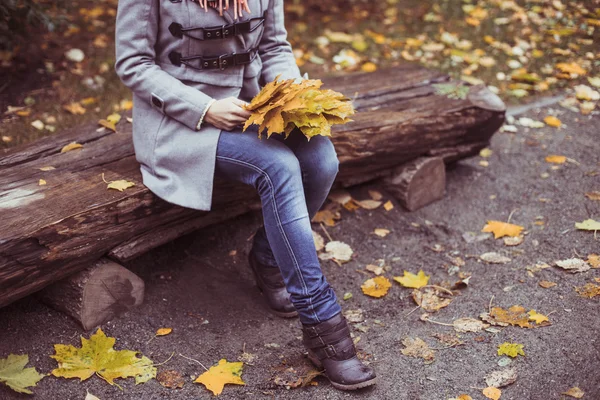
{"x": 270, "y": 282}
{"x": 330, "y": 347}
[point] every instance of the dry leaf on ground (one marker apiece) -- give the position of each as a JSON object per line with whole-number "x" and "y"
{"x": 381, "y": 232}
{"x": 221, "y": 374}
{"x": 513, "y": 241}
{"x": 500, "y": 229}
{"x": 354, "y": 316}
{"x": 574, "y": 392}
{"x": 595, "y": 195}
{"x": 573, "y": 265}
{"x": 588, "y": 225}
{"x": 14, "y": 374}
{"x": 431, "y": 299}
{"x": 328, "y": 217}
{"x": 463, "y": 325}
{"x": 588, "y": 290}
{"x": 448, "y": 340}
{"x": 376, "y": 287}
{"x": 539, "y": 319}
{"x": 556, "y": 159}
{"x": 594, "y": 260}
{"x": 337, "y": 251}
{"x": 411, "y": 280}
{"x": 494, "y": 258}
{"x": 501, "y": 378}
{"x": 170, "y": 379}
{"x": 515, "y": 315}
{"x": 368, "y": 204}
{"x": 510, "y": 349}
{"x": 547, "y": 284}
{"x": 416, "y": 347}
{"x": 164, "y": 331}
{"x": 97, "y": 356}
{"x": 492, "y": 393}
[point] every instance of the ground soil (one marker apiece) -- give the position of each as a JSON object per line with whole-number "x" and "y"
{"x": 210, "y": 300}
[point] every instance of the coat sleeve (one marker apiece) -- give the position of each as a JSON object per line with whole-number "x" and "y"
{"x": 274, "y": 49}
{"x": 135, "y": 36}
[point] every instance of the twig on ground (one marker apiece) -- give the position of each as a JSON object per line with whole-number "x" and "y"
{"x": 196, "y": 361}
{"x": 325, "y": 230}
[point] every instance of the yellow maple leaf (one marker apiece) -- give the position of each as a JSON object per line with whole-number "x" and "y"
{"x": 120, "y": 185}
{"x": 492, "y": 393}
{"x": 411, "y": 280}
{"x": 164, "y": 331}
{"x": 589, "y": 290}
{"x": 71, "y": 146}
{"x": 14, "y": 374}
{"x": 219, "y": 375}
{"x": 376, "y": 287}
{"x": 571, "y": 68}
{"x": 510, "y": 349}
{"x": 388, "y": 205}
{"x": 594, "y": 260}
{"x": 556, "y": 159}
{"x": 536, "y": 317}
{"x": 500, "y": 229}
{"x": 74, "y": 108}
{"x": 97, "y": 356}
{"x": 41, "y": 182}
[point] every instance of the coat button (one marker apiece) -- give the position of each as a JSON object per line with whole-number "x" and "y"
{"x": 157, "y": 102}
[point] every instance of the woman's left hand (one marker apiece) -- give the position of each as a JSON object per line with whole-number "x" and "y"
{"x": 238, "y": 6}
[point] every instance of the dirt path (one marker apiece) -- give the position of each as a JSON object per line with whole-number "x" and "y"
{"x": 208, "y": 296}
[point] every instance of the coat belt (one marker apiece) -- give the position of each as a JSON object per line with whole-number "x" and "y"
{"x": 215, "y": 62}
{"x": 217, "y": 32}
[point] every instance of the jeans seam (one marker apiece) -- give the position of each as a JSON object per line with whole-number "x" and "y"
{"x": 276, "y": 212}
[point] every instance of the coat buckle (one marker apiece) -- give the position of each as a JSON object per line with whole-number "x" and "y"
{"x": 222, "y": 61}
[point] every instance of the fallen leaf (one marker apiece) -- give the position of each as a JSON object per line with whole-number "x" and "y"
{"x": 515, "y": 315}
{"x": 513, "y": 241}
{"x": 381, "y": 232}
{"x": 97, "y": 356}
{"x": 594, "y": 260}
{"x": 501, "y": 378}
{"x": 388, "y": 205}
{"x": 170, "y": 379}
{"x": 494, "y": 258}
{"x": 337, "y": 251}
{"x": 375, "y": 195}
{"x": 430, "y": 299}
{"x": 46, "y": 168}
{"x": 448, "y": 340}
{"x": 14, "y": 374}
{"x": 368, "y": 204}
{"x": 37, "y": 124}
{"x": 41, "y": 182}
{"x": 120, "y": 185}
{"x": 328, "y": 217}
{"x": 376, "y": 269}
{"x": 595, "y": 195}
{"x": 107, "y": 124}
{"x": 416, "y": 347}
{"x": 574, "y": 392}
{"x": 588, "y": 225}
{"x": 551, "y": 120}
{"x": 555, "y": 159}
{"x": 573, "y": 265}
{"x": 90, "y": 396}
{"x": 547, "y": 284}
{"x": 537, "y": 318}
{"x": 500, "y": 229}
{"x": 463, "y": 325}
{"x": 221, "y": 374}
{"x": 71, "y": 146}
{"x": 376, "y": 287}
{"x": 411, "y": 280}
{"x": 164, "y": 331}
{"x": 492, "y": 393}
{"x": 354, "y": 316}
{"x": 75, "y": 108}
{"x": 589, "y": 290}
{"x": 510, "y": 349}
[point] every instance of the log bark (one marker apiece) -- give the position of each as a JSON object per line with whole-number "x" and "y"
{"x": 50, "y": 232}
{"x": 97, "y": 294}
{"x": 418, "y": 182}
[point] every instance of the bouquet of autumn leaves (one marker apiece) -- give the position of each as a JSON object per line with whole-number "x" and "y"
{"x": 284, "y": 105}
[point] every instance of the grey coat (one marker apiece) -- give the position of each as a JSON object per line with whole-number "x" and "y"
{"x": 177, "y": 160}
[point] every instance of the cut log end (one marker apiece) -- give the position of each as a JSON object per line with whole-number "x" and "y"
{"x": 418, "y": 182}
{"x": 97, "y": 294}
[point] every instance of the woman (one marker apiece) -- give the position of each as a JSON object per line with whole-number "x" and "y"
{"x": 191, "y": 67}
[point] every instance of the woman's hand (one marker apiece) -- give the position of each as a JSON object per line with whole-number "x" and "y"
{"x": 238, "y": 6}
{"x": 227, "y": 113}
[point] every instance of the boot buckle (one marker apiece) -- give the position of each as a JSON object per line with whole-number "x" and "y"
{"x": 330, "y": 351}
{"x": 312, "y": 331}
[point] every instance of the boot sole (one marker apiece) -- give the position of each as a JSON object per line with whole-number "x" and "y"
{"x": 341, "y": 386}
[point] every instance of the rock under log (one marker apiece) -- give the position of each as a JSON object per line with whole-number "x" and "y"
{"x": 97, "y": 294}
{"x": 418, "y": 182}
{"x": 50, "y": 232}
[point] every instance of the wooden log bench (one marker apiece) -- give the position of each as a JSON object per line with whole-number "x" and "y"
{"x": 70, "y": 235}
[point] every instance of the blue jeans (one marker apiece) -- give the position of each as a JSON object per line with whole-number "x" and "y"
{"x": 293, "y": 178}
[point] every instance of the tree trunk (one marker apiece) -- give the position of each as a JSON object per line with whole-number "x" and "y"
{"x": 50, "y": 232}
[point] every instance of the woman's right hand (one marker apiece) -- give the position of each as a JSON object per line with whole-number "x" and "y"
{"x": 227, "y": 113}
